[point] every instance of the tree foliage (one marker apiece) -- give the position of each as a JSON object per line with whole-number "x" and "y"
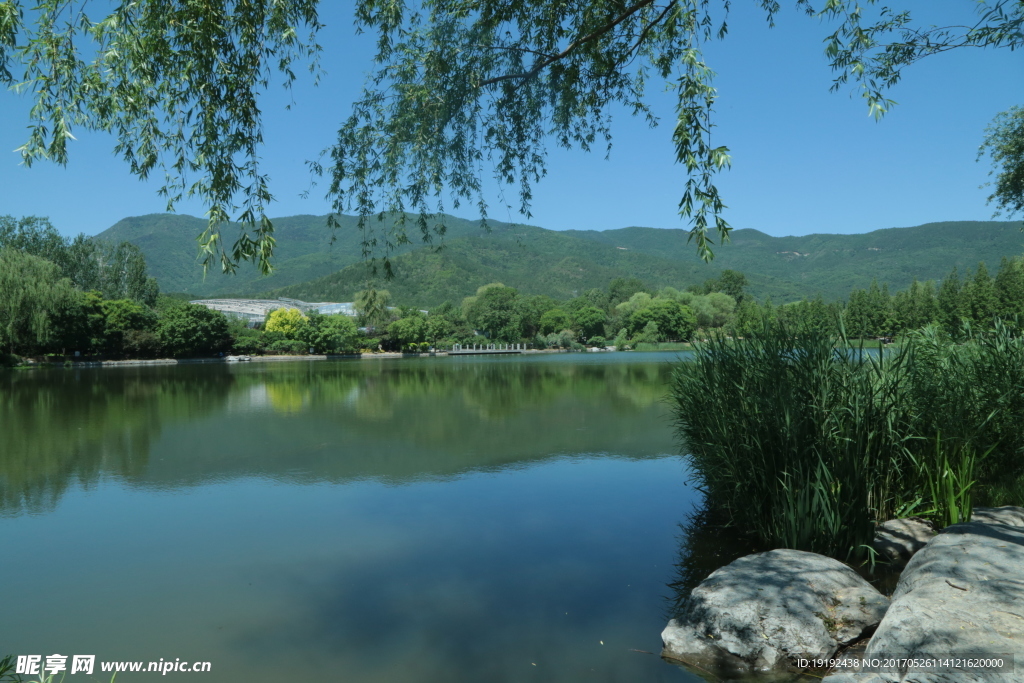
{"x": 125, "y": 322}
{"x": 873, "y": 49}
{"x": 32, "y": 292}
{"x": 1004, "y": 143}
{"x": 372, "y": 306}
{"x": 672, "y": 320}
{"x": 193, "y": 329}
{"x": 287, "y": 321}
{"x": 329, "y": 333}
{"x": 495, "y": 311}
{"x": 115, "y": 270}
{"x": 554, "y": 320}
{"x": 177, "y": 82}
{"x": 409, "y": 330}
{"x": 520, "y": 73}
{"x": 589, "y": 322}
{"x": 461, "y": 89}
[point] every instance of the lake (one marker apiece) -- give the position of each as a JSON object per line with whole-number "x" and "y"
{"x": 435, "y": 519}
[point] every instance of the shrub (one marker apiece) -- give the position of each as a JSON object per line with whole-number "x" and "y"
{"x": 141, "y": 344}
{"x": 599, "y": 342}
{"x": 248, "y": 346}
{"x": 267, "y": 338}
{"x": 649, "y": 335}
{"x": 289, "y": 347}
{"x": 621, "y": 339}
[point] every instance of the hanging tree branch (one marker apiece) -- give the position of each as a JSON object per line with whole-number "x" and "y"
{"x": 594, "y": 35}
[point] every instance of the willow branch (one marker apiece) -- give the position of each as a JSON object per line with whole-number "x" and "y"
{"x": 544, "y": 63}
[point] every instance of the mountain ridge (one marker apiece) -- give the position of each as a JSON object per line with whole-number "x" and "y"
{"x": 558, "y": 263}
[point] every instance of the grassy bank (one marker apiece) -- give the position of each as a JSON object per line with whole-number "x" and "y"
{"x": 807, "y": 442}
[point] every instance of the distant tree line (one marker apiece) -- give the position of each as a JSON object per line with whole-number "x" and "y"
{"x": 289, "y": 331}
{"x": 956, "y": 305}
{"x": 626, "y": 312}
{"x": 61, "y": 295}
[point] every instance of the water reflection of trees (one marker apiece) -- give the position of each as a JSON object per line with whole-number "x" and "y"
{"x": 493, "y": 390}
{"x": 394, "y": 420}
{"x": 58, "y": 428}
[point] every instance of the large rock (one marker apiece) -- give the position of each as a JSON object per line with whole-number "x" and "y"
{"x": 1007, "y": 515}
{"x": 963, "y": 594}
{"x": 767, "y": 610}
{"x": 899, "y": 539}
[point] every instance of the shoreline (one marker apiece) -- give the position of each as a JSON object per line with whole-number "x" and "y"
{"x": 233, "y": 360}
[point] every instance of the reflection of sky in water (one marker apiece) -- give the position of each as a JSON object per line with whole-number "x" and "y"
{"x": 289, "y": 538}
{"x": 475, "y": 578}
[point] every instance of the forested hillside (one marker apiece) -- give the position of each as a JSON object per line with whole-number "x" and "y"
{"x": 304, "y": 251}
{"x": 559, "y": 263}
{"x": 533, "y": 260}
{"x": 832, "y": 265}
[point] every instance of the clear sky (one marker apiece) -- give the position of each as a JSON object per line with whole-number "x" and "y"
{"x": 804, "y": 160}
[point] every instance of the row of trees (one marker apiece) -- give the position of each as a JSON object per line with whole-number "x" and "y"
{"x": 42, "y": 313}
{"x": 61, "y": 295}
{"x": 116, "y": 270}
{"x": 627, "y": 311}
{"x": 79, "y": 293}
{"x": 288, "y": 330}
{"x": 955, "y": 304}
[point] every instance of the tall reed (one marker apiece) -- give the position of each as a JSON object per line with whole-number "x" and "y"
{"x": 973, "y": 393}
{"x": 807, "y": 443}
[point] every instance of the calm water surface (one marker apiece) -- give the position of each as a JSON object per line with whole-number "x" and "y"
{"x": 421, "y": 520}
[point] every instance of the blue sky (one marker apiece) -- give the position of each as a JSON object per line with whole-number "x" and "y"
{"x": 804, "y": 160}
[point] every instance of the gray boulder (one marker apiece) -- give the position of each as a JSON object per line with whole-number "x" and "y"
{"x": 898, "y": 539}
{"x": 1007, "y": 515}
{"x": 765, "y": 611}
{"x": 963, "y": 594}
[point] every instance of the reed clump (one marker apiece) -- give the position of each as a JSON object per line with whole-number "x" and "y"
{"x": 807, "y": 442}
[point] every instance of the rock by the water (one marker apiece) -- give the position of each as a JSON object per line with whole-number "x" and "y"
{"x": 898, "y": 539}
{"x": 1008, "y": 515}
{"x": 765, "y": 611}
{"x": 963, "y": 594}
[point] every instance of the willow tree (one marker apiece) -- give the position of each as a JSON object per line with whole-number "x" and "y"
{"x": 115, "y": 269}
{"x": 373, "y": 306}
{"x": 32, "y": 292}
{"x": 459, "y": 85}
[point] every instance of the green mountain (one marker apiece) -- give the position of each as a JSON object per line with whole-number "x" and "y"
{"x": 561, "y": 263}
{"x": 306, "y": 249}
{"x": 533, "y": 260}
{"x": 790, "y": 268}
